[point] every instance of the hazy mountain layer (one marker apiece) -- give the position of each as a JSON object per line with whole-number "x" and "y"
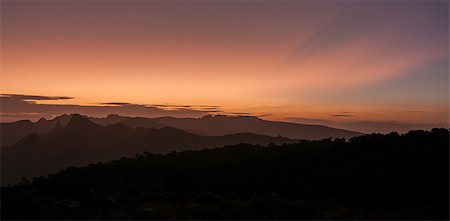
{"x": 82, "y": 141}
{"x": 208, "y": 125}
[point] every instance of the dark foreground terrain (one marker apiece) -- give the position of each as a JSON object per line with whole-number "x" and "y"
{"x": 369, "y": 177}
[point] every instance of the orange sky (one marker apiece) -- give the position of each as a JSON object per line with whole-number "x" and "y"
{"x": 291, "y": 61}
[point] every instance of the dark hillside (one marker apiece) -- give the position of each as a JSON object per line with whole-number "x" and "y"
{"x": 370, "y": 177}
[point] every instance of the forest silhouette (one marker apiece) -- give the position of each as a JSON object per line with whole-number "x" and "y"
{"x": 373, "y": 176}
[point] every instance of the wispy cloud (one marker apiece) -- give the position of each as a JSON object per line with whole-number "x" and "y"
{"x": 116, "y": 103}
{"x": 34, "y": 97}
{"x": 366, "y": 126}
{"x": 342, "y": 27}
{"x": 239, "y": 113}
{"x": 414, "y": 111}
{"x": 341, "y": 115}
{"x": 307, "y": 120}
{"x": 207, "y": 108}
{"x": 382, "y": 126}
{"x": 19, "y": 106}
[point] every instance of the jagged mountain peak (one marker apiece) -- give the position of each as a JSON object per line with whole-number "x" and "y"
{"x": 80, "y": 122}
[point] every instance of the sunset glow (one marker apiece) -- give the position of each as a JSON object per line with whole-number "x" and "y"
{"x": 368, "y": 66}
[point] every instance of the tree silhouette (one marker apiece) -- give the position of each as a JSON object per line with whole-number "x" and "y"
{"x": 372, "y": 176}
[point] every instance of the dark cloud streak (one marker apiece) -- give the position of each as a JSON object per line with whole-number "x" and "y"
{"x": 341, "y": 115}
{"x": 34, "y": 97}
{"x": 18, "y": 106}
{"x": 116, "y": 103}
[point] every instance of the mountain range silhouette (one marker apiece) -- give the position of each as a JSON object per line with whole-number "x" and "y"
{"x": 82, "y": 141}
{"x": 217, "y": 125}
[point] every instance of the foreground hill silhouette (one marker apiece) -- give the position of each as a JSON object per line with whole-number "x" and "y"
{"x": 208, "y": 125}
{"x": 82, "y": 141}
{"x": 370, "y": 177}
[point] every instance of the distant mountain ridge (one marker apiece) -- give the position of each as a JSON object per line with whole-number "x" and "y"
{"x": 81, "y": 141}
{"x": 217, "y": 125}
{"x": 221, "y": 124}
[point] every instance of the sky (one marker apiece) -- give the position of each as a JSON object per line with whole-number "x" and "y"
{"x": 371, "y": 66}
